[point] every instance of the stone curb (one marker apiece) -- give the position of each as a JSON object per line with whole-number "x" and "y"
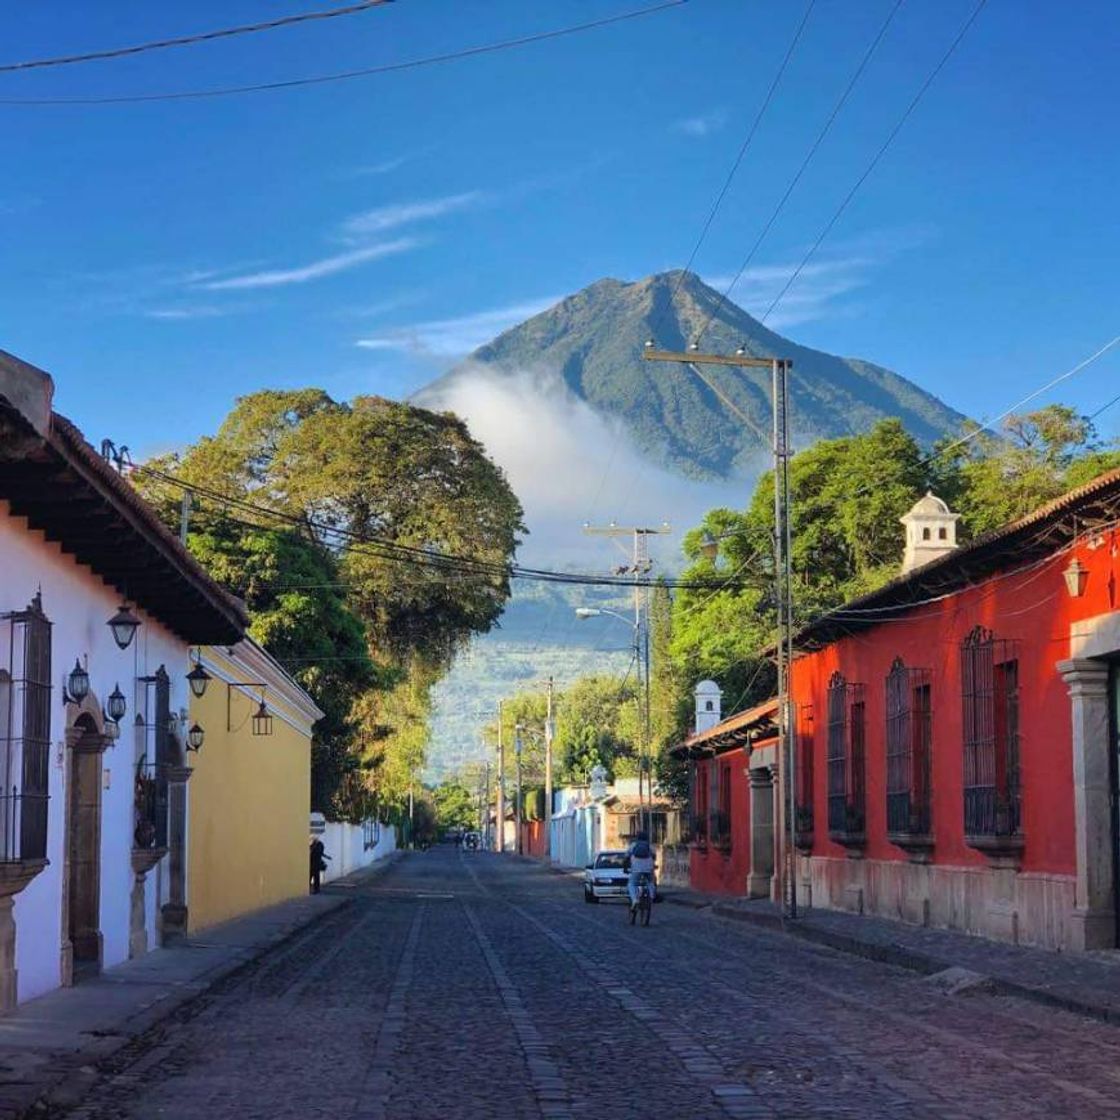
{"x": 64, "y": 1081}
{"x": 913, "y": 960}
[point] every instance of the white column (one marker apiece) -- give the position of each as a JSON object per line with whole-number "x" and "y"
{"x": 1094, "y": 917}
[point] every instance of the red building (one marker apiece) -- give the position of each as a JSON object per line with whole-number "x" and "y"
{"x": 956, "y": 737}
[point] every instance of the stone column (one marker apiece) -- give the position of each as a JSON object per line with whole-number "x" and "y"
{"x": 762, "y": 832}
{"x": 1094, "y": 916}
{"x": 174, "y": 913}
{"x": 143, "y": 860}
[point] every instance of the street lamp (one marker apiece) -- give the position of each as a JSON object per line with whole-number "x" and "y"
{"x": 117, "y": 704}
{"x": 124, "y": 625}
{"x": 194, "y": 738}
{"x": 198, "y": 678}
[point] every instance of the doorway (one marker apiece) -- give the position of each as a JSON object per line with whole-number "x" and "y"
{"x": 1114, "y": 787}
{"x": 84, "y": 849}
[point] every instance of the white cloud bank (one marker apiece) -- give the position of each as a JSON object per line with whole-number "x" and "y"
{"x": 569, "y": 465}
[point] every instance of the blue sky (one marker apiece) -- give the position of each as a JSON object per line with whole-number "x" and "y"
{"x": 161, "y": 259}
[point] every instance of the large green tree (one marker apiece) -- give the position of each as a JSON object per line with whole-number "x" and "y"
{"x": 381, "y": 493}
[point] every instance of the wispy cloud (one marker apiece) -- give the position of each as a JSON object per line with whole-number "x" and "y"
{"x": 702, "y": 125}
{"x": 384, "y": 167}
{"x": 177, "y": 314}
{"x": 316, "y": 270}
{"x": 384, "y": 218}
{"x": 454, "y": 337}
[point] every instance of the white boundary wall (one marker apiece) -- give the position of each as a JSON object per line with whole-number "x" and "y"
{"x": 346, "y": 845}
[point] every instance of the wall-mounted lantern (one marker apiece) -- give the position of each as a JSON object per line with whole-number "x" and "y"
{"x": 124, "y": 625}
{"x": 112, "y": 729}
{"x": 77, "y": 684}
{"x": 198, "y": 678}
{"x": 1076, "y": 577}
{"x": 262, "y": 721}
{"x": 262, "y": 718}
{"x": 195, "y": 737}
{"x": 117, "y": 704}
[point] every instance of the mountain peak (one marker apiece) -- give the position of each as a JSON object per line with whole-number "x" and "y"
{"x": 593, "y": 341}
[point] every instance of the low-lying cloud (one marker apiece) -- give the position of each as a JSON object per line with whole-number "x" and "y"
{"x": 570, "y": 465}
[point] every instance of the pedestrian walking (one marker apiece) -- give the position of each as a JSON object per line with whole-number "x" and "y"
{"x": 319, "y": 859}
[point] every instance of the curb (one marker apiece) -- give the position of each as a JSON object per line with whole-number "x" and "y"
{"x": 68, "y": 1077}
{"x": 912, "y": 960}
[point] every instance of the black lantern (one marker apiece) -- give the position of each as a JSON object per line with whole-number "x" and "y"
{"x": 77, "y": 684}
{"x": 262, "y": 721}
{"x": 198, "y": 678}
{"x": 117, "y": 705}
{"x": 195, "y": 737}
{"x": 124, "y": 625}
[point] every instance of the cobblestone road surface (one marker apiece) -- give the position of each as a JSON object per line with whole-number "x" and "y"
{"x": 469, "y": 985}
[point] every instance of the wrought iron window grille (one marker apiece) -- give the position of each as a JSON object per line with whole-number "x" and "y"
{"x": 992, "y": 784}
{"x": 25, "y": 732}
{"x": 847, "y": 733}
{"x": 909, "y": 756}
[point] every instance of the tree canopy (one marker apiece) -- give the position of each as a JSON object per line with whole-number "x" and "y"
{"x": 333, "y": 521}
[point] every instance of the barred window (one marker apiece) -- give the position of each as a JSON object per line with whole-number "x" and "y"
{"x": 990, "y": 696}
{"x": 846, "y": 760}
{"x": 803, "y": 809}
{"x": 721, "y": 826}
{"x": 25, "y": 734}
{"x": 909, "y": 739}
{"x": 699, "y": 803}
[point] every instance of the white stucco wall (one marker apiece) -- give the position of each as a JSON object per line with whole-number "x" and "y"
{"x": 345, "y": 844}
{"x": 78, "y": 605}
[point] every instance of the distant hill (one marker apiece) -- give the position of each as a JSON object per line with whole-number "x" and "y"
{"x": 594, "y": 340}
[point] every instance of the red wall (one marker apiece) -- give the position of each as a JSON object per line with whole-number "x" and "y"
{"x": 716, "y": 870}
{"x": 1030, "y": 606}
{"x": 532, "y": 839}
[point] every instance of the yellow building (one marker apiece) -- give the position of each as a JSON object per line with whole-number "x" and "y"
{"x": 250, "y": 788}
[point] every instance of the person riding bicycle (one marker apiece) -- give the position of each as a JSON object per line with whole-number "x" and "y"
{"x": 639, "y": 862}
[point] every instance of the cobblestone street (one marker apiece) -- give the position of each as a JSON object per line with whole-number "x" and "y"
{"x": 469, "y": 985}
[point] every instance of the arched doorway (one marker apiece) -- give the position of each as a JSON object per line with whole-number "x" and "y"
{"x": 82, "y": 898}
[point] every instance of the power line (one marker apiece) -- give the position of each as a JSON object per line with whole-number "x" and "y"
{"x": 738, "y": 160}
{"x": 385, "y": 549}
{"x": 875, "y": 159}
{"x": 345, "y": 75}
{"x": 190, "y": 40}
{"x": 813, "y": 148}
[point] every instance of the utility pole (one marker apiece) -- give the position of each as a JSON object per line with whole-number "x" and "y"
{"x": 517, "y": 808}
{"x": 640, "y": 564}
{"x": 548, "y": 776}
{"x": 184, "y": 515}
{"x": 411, "y": 844}
{"x": 501, "y": 845}
{"x": 783, "y": 583}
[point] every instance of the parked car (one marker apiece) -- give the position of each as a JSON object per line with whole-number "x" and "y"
{"x": 605, "y": 877}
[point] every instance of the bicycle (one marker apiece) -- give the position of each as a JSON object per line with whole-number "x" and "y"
{"x": 644, "y": 909}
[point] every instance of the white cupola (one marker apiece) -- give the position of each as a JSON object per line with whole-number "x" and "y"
{"x": 708, "y": 697}
{"x": 931, "y": 532}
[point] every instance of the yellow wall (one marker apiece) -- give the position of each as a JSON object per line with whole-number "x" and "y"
{"x": 249, "y": 798}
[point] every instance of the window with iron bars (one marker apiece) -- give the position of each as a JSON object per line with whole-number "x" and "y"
{"x": 720, "y": 826}
{"x": 990, "y": 696}
{"x": 25, "y": 733}
{"x": 803, "y": 810}
{"x": 699, "y": 805}
{"x": 909, "y": 745}
{"x": 847, "y": 727}
{"x": 150, "y": 802}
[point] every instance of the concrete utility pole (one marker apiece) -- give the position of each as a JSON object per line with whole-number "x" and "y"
{"x": 548, "y": 776}
{"x": 501, "y": 845}
{"x": 517, "y": 808}
{"x": 640, "y": 564}
{"x": 783, "y": 583}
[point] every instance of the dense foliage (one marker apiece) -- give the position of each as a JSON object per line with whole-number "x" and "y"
{"x": 321, "y": 515}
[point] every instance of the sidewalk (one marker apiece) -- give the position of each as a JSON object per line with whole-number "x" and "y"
{"x": 51, "y": 1045}
{"x": 1086, "y": 983}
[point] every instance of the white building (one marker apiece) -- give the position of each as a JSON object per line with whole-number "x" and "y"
{"x": 84, "y": 863}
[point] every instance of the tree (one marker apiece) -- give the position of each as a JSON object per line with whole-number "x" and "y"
{"x": 376, "y": 491}
{"x": 597, "y": 725}
{"x": 455, "y": 806}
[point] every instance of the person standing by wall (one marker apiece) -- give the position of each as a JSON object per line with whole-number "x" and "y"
{"x": 318, "y": 859}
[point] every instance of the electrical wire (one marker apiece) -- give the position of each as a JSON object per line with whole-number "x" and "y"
{"x": 875, "y": 159}
{"x": 813, "y": 149}
{"x": 747, "y": 140}
{"x": 385, "y": 549}
{"x": 191, "y": 40}
{"x": 342, "y": 75}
